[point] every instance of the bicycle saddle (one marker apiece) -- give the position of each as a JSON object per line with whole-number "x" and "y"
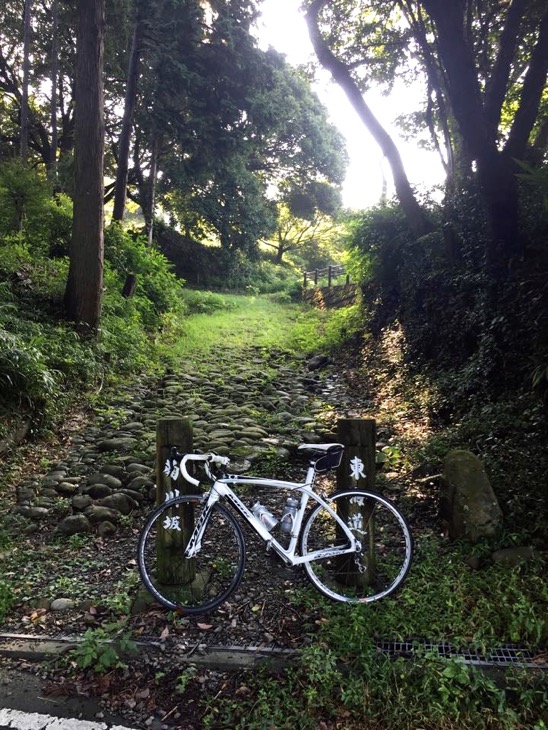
{"x": 319, "y": 447}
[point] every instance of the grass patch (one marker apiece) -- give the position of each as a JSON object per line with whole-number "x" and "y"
{"x": 233, "y": 322}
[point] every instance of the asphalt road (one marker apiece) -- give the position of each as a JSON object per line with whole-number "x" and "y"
{"x": 24, "y": 707}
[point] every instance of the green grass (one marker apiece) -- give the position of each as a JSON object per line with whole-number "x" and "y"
{"x": 255, "y": 320}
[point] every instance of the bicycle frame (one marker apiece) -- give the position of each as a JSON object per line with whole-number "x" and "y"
{"x": 221, "y": 489}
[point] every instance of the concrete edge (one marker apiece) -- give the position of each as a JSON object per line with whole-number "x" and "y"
{"x": 41, "y": 648}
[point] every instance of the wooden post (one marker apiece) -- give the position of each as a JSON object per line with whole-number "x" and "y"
{"x": 329, "y": 272}
{"x": 130, "y": 283}
{"x": 315, "y": 277}
{"x": 357, "y": 471}
{"x": 172, "y": 432}
{"x": 348, "y": 278}
{"x": 304, "y": 280}
{"x": 358, "y": 436}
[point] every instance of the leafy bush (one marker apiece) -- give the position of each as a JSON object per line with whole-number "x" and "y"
{"x": 103, "y": 649}
{"x": 156, "y": 282}
{"x": 23, "y": 195}
{"x": 204, "y": 302}
{"x": 456, "y": 319}
{"x": 43, "y": 360}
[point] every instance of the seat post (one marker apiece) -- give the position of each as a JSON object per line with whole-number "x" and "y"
{"x": 311, "y": 472}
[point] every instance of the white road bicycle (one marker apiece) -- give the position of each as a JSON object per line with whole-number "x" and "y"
{"x": 354, "y": 545}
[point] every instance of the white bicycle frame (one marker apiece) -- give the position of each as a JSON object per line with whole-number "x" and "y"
{"x": 221, "y": 489}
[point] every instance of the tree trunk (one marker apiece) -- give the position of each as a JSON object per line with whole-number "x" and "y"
{"x": 52, "y": 164}
{"x": 85, "y": 279}
{"x": 151, "y": 192}
{"x": 495, "y": 173}
{"x": 120, "y": 193}
{"x": 25, "y": 91}
{"x": 414, "y": 213}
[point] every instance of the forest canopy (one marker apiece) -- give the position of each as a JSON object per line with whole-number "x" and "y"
{"x": 199, "y": 122}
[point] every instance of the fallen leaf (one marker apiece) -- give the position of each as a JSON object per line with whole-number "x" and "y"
{"x": 205, "y": 627}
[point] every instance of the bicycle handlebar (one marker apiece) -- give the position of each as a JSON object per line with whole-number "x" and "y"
{"x": 210, "y": 458}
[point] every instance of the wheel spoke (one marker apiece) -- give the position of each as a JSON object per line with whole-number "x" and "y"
{"x": 198, "y": 584}
{"x": 386, "y": 546}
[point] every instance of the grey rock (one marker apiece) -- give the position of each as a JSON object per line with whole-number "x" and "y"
{"x": 140, "y": 482}
{"x": 38, "y": 513}
{"x": 139, "y": 468}
{"x": 66, "y": 488}
{"x": 317, "y": 362}
{"x": 513, "y": 556}
{"x": 111, "y": 481}
{"x": 122, "y": 444}
{"x": 80, "y": 502}
{"x": 137, "y": 497}
{"x": 73, "y": 525}
{"x": 106, "y": 529}
{"x": 98, "y": 513}
{"x": 120, "y": 502}
{"x": 62, "y": 604}
{"x": 98, "y": 491}
{"x": 113, "y": 470}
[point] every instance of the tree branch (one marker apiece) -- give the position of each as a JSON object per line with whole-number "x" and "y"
{"x": 531, "y": 94}
{"x": 495, "y": 91}
{"x": 340, "y": 73}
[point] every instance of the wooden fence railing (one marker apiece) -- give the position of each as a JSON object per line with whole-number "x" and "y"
{"x": 329, "y": 273}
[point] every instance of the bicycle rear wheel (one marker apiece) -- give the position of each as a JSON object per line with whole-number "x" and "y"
{"x": 201, "y": 583}
{"x": 384, "y": 559}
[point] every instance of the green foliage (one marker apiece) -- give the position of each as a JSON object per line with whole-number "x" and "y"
{"x": 204, "y": 302}
{"x": 103, "y": 649}
{"x": 31, "y": 214}
{"x": 478, "y": 337}
{"x": 374, "y": 691}
{"x": 43, "y": 360}
{"x": 7, "y": 598}
{"x": 158, "y": 289}
{"x": 342, "y": 674}
{"x": 23, "y": 195}
{"x": 326, "y": 329}
{"x": 7, "y": 594}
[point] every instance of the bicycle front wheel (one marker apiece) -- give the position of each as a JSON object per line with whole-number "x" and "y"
{"x": 191, "y": 585}
{"x": 381, "y": 564}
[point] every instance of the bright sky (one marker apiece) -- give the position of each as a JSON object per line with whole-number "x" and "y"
{"x": 282, "y": 26}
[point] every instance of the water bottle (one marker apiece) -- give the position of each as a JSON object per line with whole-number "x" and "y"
{"x": 290, "y": 510}
{"x": 265, "y": 517}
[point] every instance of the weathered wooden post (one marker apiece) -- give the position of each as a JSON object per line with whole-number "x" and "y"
{"x": 315, "y": 277}
{"x": 173, "y": 432}
{"x": 358, "y": 436}
{"x": 329, "y": 274}
{"x": 357, "y": 471}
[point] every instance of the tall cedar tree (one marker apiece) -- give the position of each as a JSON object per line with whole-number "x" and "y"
{"x": 85, "y": 279}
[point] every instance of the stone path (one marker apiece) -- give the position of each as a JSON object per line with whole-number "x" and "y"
{"x": 96, "y": 498}
{"x": 242, "y": 407}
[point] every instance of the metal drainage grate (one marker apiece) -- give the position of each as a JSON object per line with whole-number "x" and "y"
{"x": 503, "y": 656}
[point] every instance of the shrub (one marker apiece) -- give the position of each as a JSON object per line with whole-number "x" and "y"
{"x": 156, "y": 282}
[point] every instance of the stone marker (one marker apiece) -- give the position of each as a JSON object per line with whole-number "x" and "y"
{"x": 468, "y": 504}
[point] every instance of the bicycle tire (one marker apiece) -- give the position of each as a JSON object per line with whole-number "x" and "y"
{"x": 199, "y": 584}
{"x": 385, "y": 557}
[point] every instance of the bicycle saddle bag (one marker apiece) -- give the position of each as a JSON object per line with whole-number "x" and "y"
{"x": 330, "y": 460}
